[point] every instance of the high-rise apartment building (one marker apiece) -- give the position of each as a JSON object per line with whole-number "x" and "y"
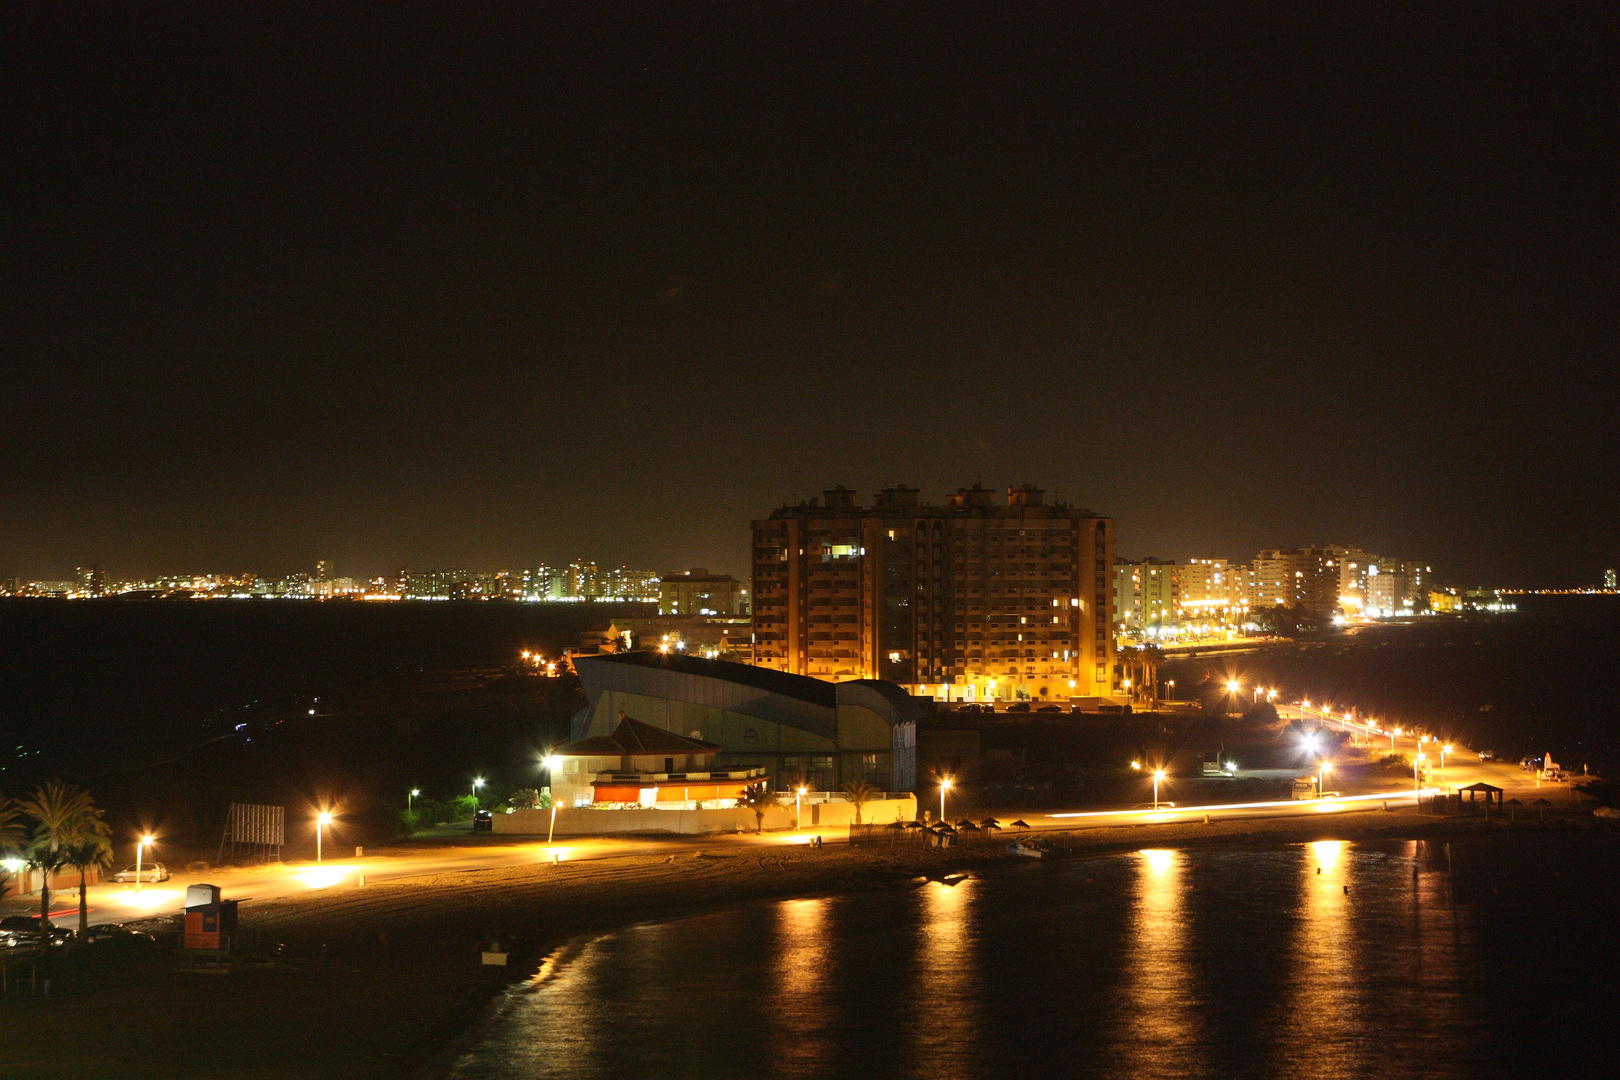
{"x": 1307, "y": 576}
{"x": 698, "y": 592}
{"x": 971, "y": 601}
{"x": 1609, "y": 579}
{"x": 1147, "y": 592}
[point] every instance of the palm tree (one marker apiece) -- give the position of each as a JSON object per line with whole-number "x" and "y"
{"x": 11, "y": 835}
{"x": 860, "y": 793}
{"x": 755, "y": 797}
{"x": 62, "y": 813}
{"x": 1148, "y": 659}
{"x": 93, "y": 847}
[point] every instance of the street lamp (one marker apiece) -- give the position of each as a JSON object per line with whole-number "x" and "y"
{"x": 1417, "y": 763}
{"x": 139, "y": 848}
{"x": 798, "y": 797}
{"x": 411, "y": 796}
{"x": 944, "y": 786}
{"x": 1158, "y": 774}
{"x": 551, "y": 761}
{"x": 478, "y": 782}
{"x": 320, "y": 821}
{"x": 1444, "y": 750}
{"x": 1321, "y": 778}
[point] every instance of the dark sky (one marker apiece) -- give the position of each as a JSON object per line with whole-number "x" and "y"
{"x": 491, "y": 286}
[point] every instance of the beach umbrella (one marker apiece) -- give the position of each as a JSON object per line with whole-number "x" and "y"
{"x": 989, "y": 823}
{"x": 1020, "y": 824}
{"x": 1541, "y": 805}
{"x": 895, "y": 825}
{"x": 967, "y": 825}
{"x": 1513, "y": 802}
{"x": 915, "y": 825}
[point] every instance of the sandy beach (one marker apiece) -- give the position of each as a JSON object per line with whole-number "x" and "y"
{"x": 402, "y": 976}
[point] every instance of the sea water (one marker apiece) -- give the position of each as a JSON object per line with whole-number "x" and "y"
{"x": 1485, "y": 957}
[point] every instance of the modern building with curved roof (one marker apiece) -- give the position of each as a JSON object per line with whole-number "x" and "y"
{"x": 822, "y": 735}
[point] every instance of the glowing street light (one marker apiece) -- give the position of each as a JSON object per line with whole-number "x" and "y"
{"x": 410, "y": 797}
{"x": 478, "y": 782}
{"x": 944, "y": 786}
{"x": 139, "y": 848}
{"x": 1136, "y": 764}
{"x": 1444, "y": 750}
{"x": 1158, "y": 774}
{"x": 320, "y": 822}
{"x": 1417, "y": 764}
{"x": 1321, "y": 778}
{"x": 551, "y": 761}
{"x": 1392, "y": 733}
{"x": 798, "y": 797}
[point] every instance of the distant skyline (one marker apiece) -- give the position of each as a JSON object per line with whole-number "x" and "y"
{"x": 483, "y": 286}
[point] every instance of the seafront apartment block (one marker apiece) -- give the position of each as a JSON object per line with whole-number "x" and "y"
{"x": 975, "y": 600}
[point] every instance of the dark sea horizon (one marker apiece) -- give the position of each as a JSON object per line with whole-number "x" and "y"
{"x": 91, "y": 685}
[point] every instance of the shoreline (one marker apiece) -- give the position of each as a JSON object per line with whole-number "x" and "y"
{"x": 403, "y": 994}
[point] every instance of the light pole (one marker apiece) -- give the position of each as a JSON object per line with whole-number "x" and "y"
{"x": 140, "y": 847}
{"x": 798, "y": 798}
{"x": 1321, "y": 778}
{"x": 1158, "y": 774}
{"x": 319, "y": 822}
{"x": 1417, "y": 764}
{"x": 410, "y": 797}
{"x": 1394, "y": 731}
{"x": 550, "y": 763}
{"x": 1445, "y": 748}
{"x": 478, "y": 782}
{"x": 944, "y": 786}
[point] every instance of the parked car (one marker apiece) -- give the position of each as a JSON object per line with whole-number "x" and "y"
{"x": 1050, "y": 708}
{"x": 117, "y": 935}
{"x": 484, "y": 821}
{"x": 148, "y": 872}
{"x": 1487, "y": 755}
{"x": 32, "y": 928}
{"x": 1018, "y": 706}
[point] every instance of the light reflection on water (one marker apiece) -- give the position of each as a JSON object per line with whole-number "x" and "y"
{"x": 1159, "y": 1003}
{"x": 1149, "y": 964}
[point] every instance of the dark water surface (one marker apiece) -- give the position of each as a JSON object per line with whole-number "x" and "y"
{"x": 1493, "y": 959}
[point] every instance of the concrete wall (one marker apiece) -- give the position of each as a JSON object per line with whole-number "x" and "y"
{"x": 583, "y": 821}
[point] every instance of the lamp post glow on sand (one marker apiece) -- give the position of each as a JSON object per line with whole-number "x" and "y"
{"x": 320, "y": 823}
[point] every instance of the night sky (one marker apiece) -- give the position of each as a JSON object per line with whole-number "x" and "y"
{"x": 485, "y": 287}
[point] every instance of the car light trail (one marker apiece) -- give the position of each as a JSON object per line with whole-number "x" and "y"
{"x": 1321, "y": 803}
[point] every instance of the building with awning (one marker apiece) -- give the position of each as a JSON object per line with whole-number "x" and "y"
{"x": 791, "y": 727}
{"x": 646, "y": 765}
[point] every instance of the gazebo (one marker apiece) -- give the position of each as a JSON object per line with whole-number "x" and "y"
{"x": 1492, "y": 794}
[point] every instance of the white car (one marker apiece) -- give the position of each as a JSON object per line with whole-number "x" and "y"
{"x": 149, "y": 872}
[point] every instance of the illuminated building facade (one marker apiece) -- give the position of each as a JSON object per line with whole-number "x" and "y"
{"x": 698, "y": 592}
{"x": 1146, "y": 593}
{"x": 970, "y": 601}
